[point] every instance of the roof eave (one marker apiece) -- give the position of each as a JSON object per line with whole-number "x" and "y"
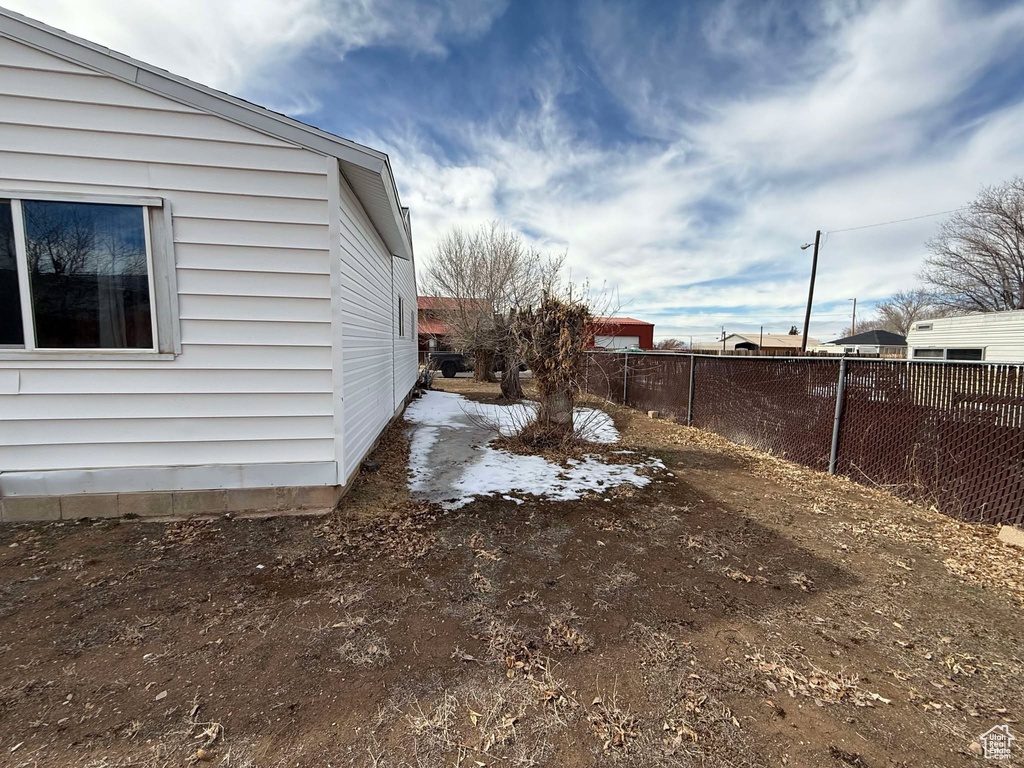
{"x": 393, "y": 228}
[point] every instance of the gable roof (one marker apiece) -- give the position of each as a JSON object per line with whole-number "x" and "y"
{"x": 620, "y": 321}
{"x": 793, "y": 340}
{"x": 770, "y": 341}
{"x": 874, "y": 338}
{"x": 367, "y": 171}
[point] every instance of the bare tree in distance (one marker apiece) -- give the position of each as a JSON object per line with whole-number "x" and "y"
{"x": 490, "y": 273}
{"x": 976, "y": 261}
{"x": 899, "y": 313}
{"x": 670, "y": 344}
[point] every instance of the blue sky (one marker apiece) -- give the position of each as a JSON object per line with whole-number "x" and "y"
{"x": 680, "y": 152}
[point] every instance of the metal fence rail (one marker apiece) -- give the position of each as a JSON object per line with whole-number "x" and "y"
{"x": 952, "y": 433}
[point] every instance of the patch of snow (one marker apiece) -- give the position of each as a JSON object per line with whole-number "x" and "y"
{"x": 451, "y": 459}
{"x": 594, "y": 426}
{"x": 447, "y": 409}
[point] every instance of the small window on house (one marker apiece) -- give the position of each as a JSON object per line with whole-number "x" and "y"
{"x": 79, "y": 276}
{"x": 412, "y": 320}
{"x": 965, "y": 354}
{"x": 924, "y": 326}
{"x": 849, "y": 350}
{"x": 401, "y": 316}
{"x": 928, "y": 354}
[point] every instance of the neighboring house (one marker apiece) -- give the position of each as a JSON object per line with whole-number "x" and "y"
{"x": 434, "y": 334}
{"x": 991, "y": 336}
{"x": 622, "y": 333}
{"x": 884, "y": 343}
{"x": 205, "y": 306}
{"x": 762, "y": 342}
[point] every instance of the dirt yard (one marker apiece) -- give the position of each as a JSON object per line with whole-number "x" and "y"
{"x": 739, "y": 612}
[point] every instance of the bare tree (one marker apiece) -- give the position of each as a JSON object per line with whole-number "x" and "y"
{"x": 670, "y": 344}
{"x": 553, "y": 338}
{"x": 899, "y": 313}
{"x": 905, "y": 308}
{"x": 490, "y": 273}
{"x": 977, "y": 258}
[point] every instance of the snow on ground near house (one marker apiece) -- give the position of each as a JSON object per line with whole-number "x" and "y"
{"x": 440, "y": 409}
{"x": 451, "y": 459}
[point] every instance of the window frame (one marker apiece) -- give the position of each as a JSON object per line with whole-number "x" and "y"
{"x": 401, "y": 317}
{"x": 162, "y": 280}
{"x": 979, "y": 350}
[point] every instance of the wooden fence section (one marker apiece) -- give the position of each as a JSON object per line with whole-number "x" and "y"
{"x": 951, "y": 433}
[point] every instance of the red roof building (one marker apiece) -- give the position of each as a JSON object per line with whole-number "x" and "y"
{"x": 432, "y": 330}
{"x": 622, "y": 332}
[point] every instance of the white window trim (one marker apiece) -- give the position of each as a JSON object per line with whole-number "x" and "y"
{"x": 163, "y": 287}
{"x": 945, "y": 353}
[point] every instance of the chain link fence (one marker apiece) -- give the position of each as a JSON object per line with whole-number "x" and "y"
{"x": 948, "y": 433}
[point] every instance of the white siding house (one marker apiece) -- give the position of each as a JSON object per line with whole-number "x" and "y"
{"x": 243, "y": 334}
{"x": 991, "y": 336}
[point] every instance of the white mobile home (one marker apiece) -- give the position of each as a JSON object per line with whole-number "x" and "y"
{"x": 204, "y": 305}
{"x": 990, "y": 336}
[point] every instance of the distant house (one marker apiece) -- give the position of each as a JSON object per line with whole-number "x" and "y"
{"x": 885, "y": 343}
{"x": 751, "y": 342}
{"x": 990, "y": 336}
{"x": 622, "y": 333}
{"x": 222, "y": 320}
{"x": 434, "y": 333}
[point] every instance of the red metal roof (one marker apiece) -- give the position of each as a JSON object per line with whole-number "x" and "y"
{"x": 620, "y": 321}
{"x": 430, "y": 327}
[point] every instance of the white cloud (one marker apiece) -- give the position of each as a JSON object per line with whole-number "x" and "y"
{"x": 866, "y": 139}
{"x": 852, "y": 117}
{"x": 249, "y": 46}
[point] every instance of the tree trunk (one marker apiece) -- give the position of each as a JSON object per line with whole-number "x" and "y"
{"x": 483, "y": 365}
{"x": 511, "y": 387}
{"x": 555, "y": 415}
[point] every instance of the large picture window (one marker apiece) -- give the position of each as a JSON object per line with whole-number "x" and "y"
{"x": 76, "y": 276}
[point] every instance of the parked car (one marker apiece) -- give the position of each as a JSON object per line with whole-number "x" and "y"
{"x": 449, "y": 363}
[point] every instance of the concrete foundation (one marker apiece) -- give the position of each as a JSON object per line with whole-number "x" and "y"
{"x": 308, "y": 499}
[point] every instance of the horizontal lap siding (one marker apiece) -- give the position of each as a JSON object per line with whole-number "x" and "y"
{"x": 253, "y": 381}
{"x": 367, "y": 331}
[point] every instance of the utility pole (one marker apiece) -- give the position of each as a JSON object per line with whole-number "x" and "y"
{"x": 723, "y": 338}
{"x": 853, "y": 320}
{"x": 760, "y": 340}
{"x": 810, "y": 292}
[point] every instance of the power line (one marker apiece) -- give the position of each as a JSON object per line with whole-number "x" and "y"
{"x": 896, "y": 221}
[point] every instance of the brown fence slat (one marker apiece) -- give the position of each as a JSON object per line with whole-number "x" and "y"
{"x": 784, "y": 406}
{"x": 950, "y": 433}
{"x": 937, "y": 432}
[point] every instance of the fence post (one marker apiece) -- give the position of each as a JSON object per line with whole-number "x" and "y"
{"x": 625, "y": 375}
{"x": 840, "y": 391}
{"x": 689, "y": 399}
